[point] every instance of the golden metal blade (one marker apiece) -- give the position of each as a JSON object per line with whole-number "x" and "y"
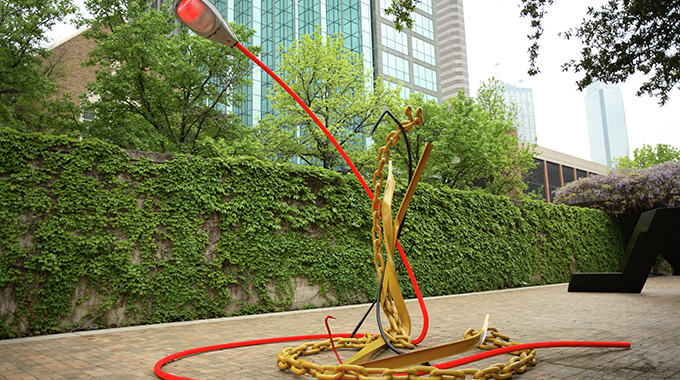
{"x": 432, "y": 353}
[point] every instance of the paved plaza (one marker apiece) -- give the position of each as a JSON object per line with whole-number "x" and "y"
{"x": 650, "y": 321}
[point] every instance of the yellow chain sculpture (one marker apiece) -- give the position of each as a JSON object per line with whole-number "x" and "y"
{"x": 398, "y": 333}
{"x": 289, "y": 358}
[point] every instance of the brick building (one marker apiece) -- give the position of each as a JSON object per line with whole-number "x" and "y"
{"x": 72, "y": 51}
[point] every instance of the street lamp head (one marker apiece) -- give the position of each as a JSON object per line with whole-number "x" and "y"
{"x": 203, "y": 18}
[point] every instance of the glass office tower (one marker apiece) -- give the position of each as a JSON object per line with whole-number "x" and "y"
{"x": 409, "y": 58}
{"x": 606, "y": 118}
{"x": 523, "y": 99}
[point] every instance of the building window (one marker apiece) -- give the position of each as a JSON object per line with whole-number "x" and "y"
{"x": 405, "y": 91}
{"x": 581, "y": 174}
{"x": 423, "y": 51}
{"x": 425, "y": 6}
{"x": 384, "y": 4}
{"x": 395, "y": 66}
{"x": 87, "y": 115}
{"x": 309, "y": 16}
{"x": 423, "y": 26}
{"x": 430, "y": 97}
{"x": 553, "y": 178}
{"x": 567, "y": 174}
{"x": 393, "y": 39}
{"x": 344, "y": 18}
{"x": 536, "y": 180}
{"x": 425, "y": 77}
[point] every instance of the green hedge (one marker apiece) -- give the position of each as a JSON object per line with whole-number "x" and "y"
{"x": 170, "y": 241}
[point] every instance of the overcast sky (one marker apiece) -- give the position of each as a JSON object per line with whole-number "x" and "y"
{"x": 497, "y": 47}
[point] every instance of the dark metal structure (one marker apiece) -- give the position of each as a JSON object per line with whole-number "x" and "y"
{"x": 657, "y": 232}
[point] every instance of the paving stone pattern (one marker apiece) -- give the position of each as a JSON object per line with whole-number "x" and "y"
{"x": 650, "y": 321}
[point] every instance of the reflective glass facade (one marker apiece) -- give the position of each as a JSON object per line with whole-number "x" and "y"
{"x": 424, "y": 51}
{"x": 536, "y": 181}
{"x": 425, "y": 6}
{"x": 554, "y": 183}
{"x": 396, "y": 67}
{"x": 394, "y": 40}
{"x": 423, "y": 26}
{"x": 523, "y": 99}
{"x": 280, "y": 22}
{"x": 425, "y": 77}
{"x": 410, "y": 58}
{"x": 568, "y": 174}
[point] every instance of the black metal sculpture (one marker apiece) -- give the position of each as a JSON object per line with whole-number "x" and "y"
{"x": 657, "y": 232}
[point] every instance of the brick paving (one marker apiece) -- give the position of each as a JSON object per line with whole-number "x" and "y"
{"x": 650, "y": 321}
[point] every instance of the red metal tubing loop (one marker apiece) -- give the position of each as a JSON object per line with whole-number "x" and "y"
{"x": 527, "y": 346}
{"x": 414, "y": 282}
{"x": 158, "y": 368}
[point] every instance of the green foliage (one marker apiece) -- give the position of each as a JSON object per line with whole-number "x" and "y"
{"x": 402, "y": 10}
{"x": 332, "y": 82}
{"x": 625, "y": 37}
{"x": 648, "y": 156}
{"x": 177, "y": 240}
{"x": 104, "y": 16}
{"x": 535, "y": 10}
{"x": 164, "y": 93}
{"x": 475, "y": 146}
{"x": 137, "y": 233}
{"x": 240, "y": 145}
{"x": 27, "y": 69}
{"x": 621, "y": 38}
{"x": 626, "y": 193}
{"x": 471, "y": 241}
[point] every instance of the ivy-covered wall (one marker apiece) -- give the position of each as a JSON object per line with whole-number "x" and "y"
{"x": 91, "y": 234}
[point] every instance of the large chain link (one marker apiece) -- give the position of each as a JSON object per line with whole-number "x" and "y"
{"x": 288, "y": 358}
{"x": 379, "y": 181}
{"x": 396, "y": 332}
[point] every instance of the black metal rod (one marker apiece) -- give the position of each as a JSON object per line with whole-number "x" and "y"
{"x": 408, "y": 144}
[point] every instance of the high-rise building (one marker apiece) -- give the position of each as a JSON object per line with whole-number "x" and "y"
{"x": 523, "y": 99}
{"x": 452, "y": 59}
{"x": 606, "y": 123}
{"x": 430, "y": 59}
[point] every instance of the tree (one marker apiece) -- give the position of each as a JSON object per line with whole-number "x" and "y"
{"x": 475, "y": 143}
{"x": 27, "y": 68}
{"x": 620, "y": 39}
{"x": 332, "y": 82}
{"x": 163, "y": 92}
{"x": 648, "y": 156}
{"x": 402, "y": 11}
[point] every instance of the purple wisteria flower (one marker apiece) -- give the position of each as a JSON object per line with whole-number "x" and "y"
{"x": 626, "y": 190}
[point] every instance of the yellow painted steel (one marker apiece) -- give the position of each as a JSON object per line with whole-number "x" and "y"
{"x": 290, "y": 358}
{"x": 391, "y": 299}
{"x": 469, "y": 342}
{"x": 392, "y": 302}
{"x": 368, "y": 352}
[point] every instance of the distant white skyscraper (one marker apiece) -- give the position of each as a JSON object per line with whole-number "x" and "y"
{"x": 606, "y": 123}
{"x": 523, "y": 98}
